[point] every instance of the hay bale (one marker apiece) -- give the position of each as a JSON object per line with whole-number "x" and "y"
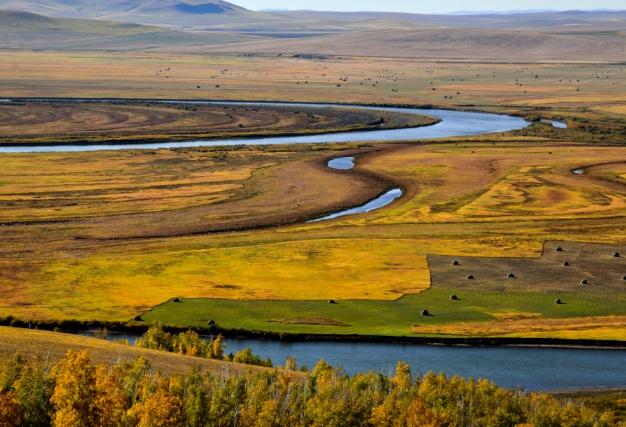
{"x": 624, "y": 278}
{"x": 453, "y": 297}
{"x": 332, "y": 301}
{"x": 616, "y": 255}
{"x": 559, "y": 249}
{"x": 425, "y": 313}
{"x": 566, "y": 264}
{"x": 471, "y": 277}
{"x": 558, "y": 302}
{"x": 456, "y": 263}
{"x": 511, "y": 276}
{"x": 584, "y": 282}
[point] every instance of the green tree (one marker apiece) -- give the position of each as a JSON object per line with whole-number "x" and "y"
{"x": 33, "y": 390}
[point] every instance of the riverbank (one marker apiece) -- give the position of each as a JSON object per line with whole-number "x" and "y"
{"x": 35, "y": 122}
{"x": 137, "y": 328}
{"x": 566, "y": 370}
{"x": 431, "y": 124}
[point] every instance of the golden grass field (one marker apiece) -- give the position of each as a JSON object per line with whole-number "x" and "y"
{"x": 579, "y": 87}
{"x": 109, "y": 235}
{"x": 53, "y": 346}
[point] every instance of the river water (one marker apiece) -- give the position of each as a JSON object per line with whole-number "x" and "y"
{"x": 452, "y": 123}
{"x": 528, "y": 368}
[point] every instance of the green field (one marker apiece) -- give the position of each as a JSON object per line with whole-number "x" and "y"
{"x": 392, "y": 318}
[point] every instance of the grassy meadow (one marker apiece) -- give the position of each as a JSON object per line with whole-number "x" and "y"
{"x": 111, "y": 235}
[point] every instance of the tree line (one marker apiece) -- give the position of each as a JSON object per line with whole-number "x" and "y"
{"x": 75, "y": 392}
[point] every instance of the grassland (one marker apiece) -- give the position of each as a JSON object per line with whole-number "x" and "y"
{"x": 557, "y": 89}
{"x": 477, "y": 313}
{"x": 53, "y": 346}
{"x": 108, "y": 236}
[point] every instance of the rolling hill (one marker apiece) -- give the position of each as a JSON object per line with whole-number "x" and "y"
{"x": 451, "y": 44}
{"x": 215, "y": 26}
{"x": 169, "y": 13}
{"x": 553, "y": 20}
{"x": 53, "y": 346}
{"x": 25, "y": 30}
{"x": 222, "y": 15}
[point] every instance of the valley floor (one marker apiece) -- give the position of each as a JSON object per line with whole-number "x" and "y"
{"x": 111, "y": 235}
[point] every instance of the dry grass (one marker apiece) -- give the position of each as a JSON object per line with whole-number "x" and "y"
{"x": 567, "y": 88}
{"x": 52, "y": 346}
{"x": 533, "y": 326}
{"x": 553, "y": 271}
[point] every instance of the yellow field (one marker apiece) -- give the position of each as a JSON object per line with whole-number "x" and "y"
{"x": 566, "y": 88}
{"x": 535, "y": 326}
{"x": 109, "y": 235}
{"x": 476, "y": 199}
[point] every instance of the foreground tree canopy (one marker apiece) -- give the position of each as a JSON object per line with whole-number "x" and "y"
{"x": 76, "y": 392}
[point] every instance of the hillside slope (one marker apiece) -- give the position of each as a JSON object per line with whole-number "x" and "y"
{"x": 53, "y": 346}
{"x": 171, "y": 13}
{"x": 222, "y": 15}
{"x": 25, "y": 30}
{"x": 462, "y": 44}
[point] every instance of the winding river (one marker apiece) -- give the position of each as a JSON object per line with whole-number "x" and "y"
{"x": 452, "y": 123}
{"x": 529, "y": 368}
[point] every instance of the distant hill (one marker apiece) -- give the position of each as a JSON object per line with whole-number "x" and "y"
{"x": 556, "y": 20}
{"x": 451, "y": 43}
{"x": 219, "y": 26}
{"x": 25, "y": 30}
{"x": 219, "y": 14}
{"x": 169, "y": 13}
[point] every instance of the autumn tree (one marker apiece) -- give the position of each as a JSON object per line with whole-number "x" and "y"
{"x": 159, "y": 408}
{"x": 75, "y": 392}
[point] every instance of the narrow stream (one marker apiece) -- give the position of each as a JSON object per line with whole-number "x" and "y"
{"x": 377, "y": 203}
{"x": 347, "y": 163}
{"x": 555, "y": 123}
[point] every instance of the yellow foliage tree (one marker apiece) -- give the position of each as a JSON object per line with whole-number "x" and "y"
{"x": 75, "y": 392}
{"x": 159, "y": 409}
{"x": 11, "y": 414}
{"x": 110, "y": 402}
